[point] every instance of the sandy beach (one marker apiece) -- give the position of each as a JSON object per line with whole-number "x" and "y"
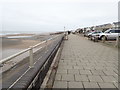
{"x": 18, "y": 43}
{"x": 11, "y": 46}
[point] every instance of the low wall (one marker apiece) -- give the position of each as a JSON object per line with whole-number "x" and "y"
{"x": 34, "y": 77}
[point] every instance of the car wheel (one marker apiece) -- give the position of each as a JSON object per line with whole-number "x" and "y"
{"x": 91, "y": 38}
{"x": 103, "y": 38}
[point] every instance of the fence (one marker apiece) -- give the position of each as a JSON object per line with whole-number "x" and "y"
{"x": 30, "y": 50}
{"x": 33, "y": 77}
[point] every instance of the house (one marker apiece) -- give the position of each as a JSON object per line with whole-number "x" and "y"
{"x": 116, "y": 25}
{"x": 104, "y": 27}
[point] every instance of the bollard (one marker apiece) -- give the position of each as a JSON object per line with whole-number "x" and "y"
{"x": 31, "y": 57}
{"x": 65, "y": 36}
{"x": 117, "y": 42}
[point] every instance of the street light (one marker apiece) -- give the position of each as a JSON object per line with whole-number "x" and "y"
{"x": 65, "y": 33}
{"x": 64, "y": 29}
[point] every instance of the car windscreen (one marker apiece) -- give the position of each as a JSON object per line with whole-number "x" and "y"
{"x": 107, "y": 31}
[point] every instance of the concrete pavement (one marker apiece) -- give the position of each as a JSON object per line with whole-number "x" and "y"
{"x": 85, "y": 64}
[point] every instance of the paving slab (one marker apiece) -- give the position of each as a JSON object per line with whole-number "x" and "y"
{"x": 60, "y": 84}
{"x": 106, "y": 85}
{"x": 109, "y": 79}
{"x": 58, "y": 77}
{"x": 90, "y": 85}
{"x": 75, "y": 85}
{"x": 68, "y": 77}
{"x": 62, "y": 71}
{"x": 73, "y": 71}
{"x": 97, "y": 72}
{"x": 85, "y": 72}
{"x": 81, "y": 78}
{"x": 86, "y": 64}
{"x": 94, "y": 78}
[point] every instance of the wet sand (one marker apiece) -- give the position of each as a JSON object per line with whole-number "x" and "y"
{"x": 18, "y": 43}
{"x": 12, "y": 46}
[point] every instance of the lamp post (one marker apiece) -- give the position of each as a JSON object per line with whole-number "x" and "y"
{"x": 64, "y": 29}
{"x": 65, "y": 33}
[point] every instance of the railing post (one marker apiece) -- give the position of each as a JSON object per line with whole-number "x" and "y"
{"x": 31, "y": 56}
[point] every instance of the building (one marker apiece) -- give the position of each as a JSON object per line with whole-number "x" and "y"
{"x": 104, "y": 27}
{"x": 116, "y": 25}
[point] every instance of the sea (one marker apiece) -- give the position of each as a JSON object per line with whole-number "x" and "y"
{"x": 22, "y": 32}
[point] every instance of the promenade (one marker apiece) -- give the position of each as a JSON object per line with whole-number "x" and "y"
{"x": 85, "y": 64}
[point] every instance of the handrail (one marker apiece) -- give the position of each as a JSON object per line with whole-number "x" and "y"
{"x": 42, "y": 69}
{"x": 29, "y": 49}
{"x": 13, "y": 56}
{"x": 38, "y": 44}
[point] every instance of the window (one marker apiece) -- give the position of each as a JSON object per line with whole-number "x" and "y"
{"x": 112, "y": 31}
{"x": 117, "y": 31}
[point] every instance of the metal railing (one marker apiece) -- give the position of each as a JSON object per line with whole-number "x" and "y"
{"x": 30, "y": 49}
{"x": 38, "y": 79}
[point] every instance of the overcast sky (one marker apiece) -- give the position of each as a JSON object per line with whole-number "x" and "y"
{"x": 53, "y": 15}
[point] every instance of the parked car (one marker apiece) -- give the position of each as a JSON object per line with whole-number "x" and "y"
{"x": 95, "y": 35}
{"x": 110, "y": 34}
{"x": 87, "y": 34}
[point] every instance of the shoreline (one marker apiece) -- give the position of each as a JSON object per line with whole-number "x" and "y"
{"x": 11, "y": 46}
{"x": 20, "y": 34}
